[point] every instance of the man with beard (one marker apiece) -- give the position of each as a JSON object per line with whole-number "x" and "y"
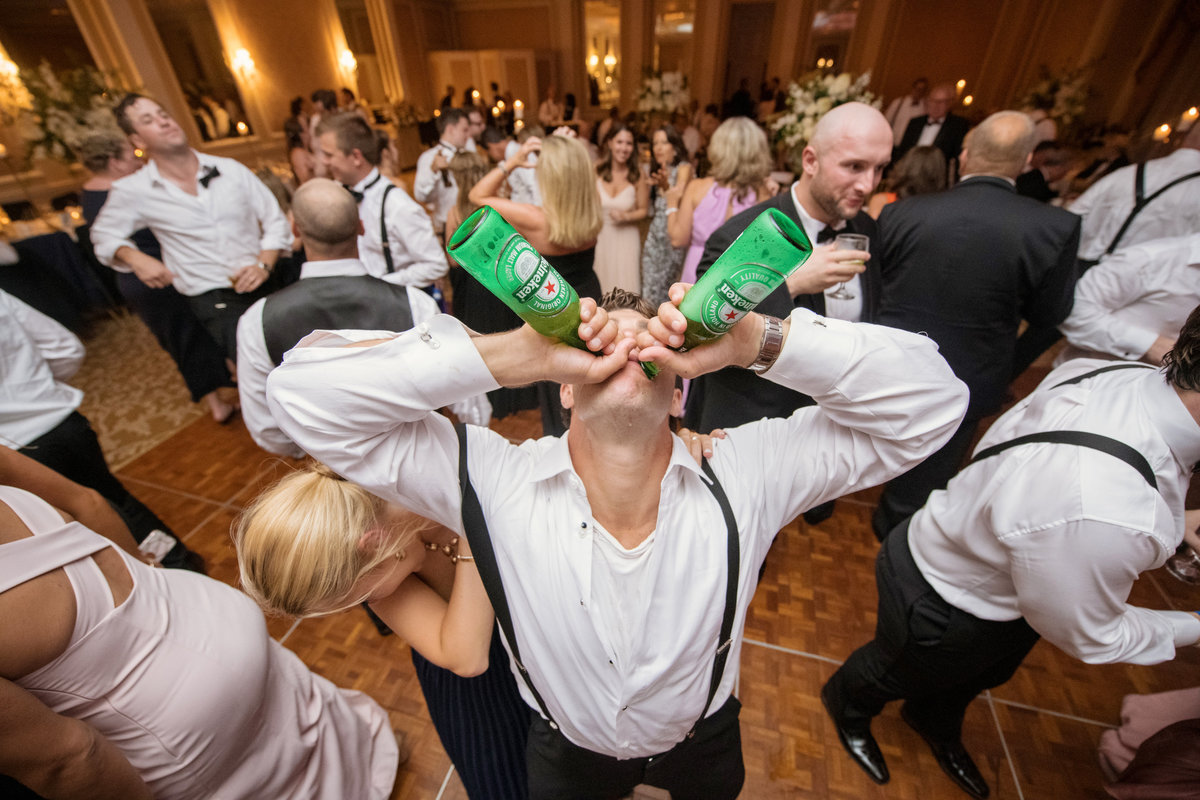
{"x": 842, "y": 166}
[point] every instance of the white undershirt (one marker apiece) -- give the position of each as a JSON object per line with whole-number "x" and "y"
{"x": 620, "y": 579}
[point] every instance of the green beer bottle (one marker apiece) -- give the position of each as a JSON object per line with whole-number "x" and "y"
{"x": 502, "y": 260}
{"x": 757, "y": 262}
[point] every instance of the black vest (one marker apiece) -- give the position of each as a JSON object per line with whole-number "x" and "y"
{"x": 334, "y": 303}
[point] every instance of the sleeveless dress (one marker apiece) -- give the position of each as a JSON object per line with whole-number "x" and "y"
{"x": 619, "y": 244}
{"x": 183, "y": 678}
{"x": 709, "y": 215}
{"x": 661, "y": 263}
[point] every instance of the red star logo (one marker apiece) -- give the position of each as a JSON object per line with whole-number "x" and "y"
{"x": 549, "y": 288}
{"x": 732, "y": 315}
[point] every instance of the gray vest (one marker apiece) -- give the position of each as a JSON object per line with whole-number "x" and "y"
{"x": 334, "y": 303}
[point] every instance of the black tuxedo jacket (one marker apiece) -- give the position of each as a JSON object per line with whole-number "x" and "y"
{"x": 966, "y": 265}
{"x": 949, "y": 139}
{"x": 733, "y": 396}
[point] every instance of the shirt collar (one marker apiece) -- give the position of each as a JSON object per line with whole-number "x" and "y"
{"x": 1171, "y": 417}
{"x": 1004, "y": 178}
{"x": 332, "y": 268}
{"x": 556, "y": 459}
{"x": 151, "y": 167}
{"x": 370, "y": 176}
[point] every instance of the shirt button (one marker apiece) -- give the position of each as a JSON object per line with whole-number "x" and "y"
{"x": 624, "y": 708}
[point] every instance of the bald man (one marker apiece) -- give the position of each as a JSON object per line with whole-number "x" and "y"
{"x": 965, "y": 266}
{"x": 334, "y": 292}
{"x": 842, "y": 166}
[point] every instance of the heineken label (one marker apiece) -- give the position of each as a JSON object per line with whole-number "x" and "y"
{"x": 735, "y": 296}
{"x": 531, "y": 281}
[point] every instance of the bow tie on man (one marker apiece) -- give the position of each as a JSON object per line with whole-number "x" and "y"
{"x": 826, "y": 234}
{"x": 209, "y": 174}
{"x": 935, "y": 122}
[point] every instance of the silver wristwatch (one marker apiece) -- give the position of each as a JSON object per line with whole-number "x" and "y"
{"x": 772, "y": 343}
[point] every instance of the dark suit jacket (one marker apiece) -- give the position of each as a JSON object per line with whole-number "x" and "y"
{"x": 733, "y": 396}
{"x": 966, "y": 265}
{"x": 949, "y": 139}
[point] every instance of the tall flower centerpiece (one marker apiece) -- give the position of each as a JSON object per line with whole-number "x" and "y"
{"x": 810, "y": 98}
{"x": 1062, "y": 96}
{"x": 663, "y": 93}
{"x": 64, "y": 108}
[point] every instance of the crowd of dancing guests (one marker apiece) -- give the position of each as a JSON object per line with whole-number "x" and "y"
{"x": 231, "y": 271}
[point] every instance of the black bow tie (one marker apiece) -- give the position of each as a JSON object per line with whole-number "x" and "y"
{"x": 209, "y": 174}
{"x": 827, "y": 234}
{"x": 357, "y": 195}
{"x": 935, "y": 122}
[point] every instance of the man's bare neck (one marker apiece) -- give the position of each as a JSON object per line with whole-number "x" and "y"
{"x": 803, "y": 196}
{"x": 623, "y": 478}
{"x": 179, "y": 167}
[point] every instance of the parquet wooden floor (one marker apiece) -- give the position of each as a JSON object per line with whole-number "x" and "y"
{"x": 1034, "y": 738}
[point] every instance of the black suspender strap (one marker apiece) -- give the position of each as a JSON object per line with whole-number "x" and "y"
{"x": 1101, "y": 370}
{"x": 387, "y": 248}
{"x": 1141, "y": 201}
{"x": 732, "y": 572}
{"x": 476, "y": 530}
{"x": 1095, "y": 441}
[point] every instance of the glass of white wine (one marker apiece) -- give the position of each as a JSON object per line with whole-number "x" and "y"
{"x": 848, "y": 241}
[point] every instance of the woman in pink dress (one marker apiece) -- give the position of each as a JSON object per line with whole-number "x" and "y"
{"x": 118, "y": 680}
{"x": 625, "y": 200}
{"x": 736, "y": 180}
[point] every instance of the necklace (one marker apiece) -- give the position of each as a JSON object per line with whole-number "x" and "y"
{"x": 450, "y": 550}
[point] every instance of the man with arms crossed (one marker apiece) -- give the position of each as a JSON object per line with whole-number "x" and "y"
{"x": 614, "y": 547}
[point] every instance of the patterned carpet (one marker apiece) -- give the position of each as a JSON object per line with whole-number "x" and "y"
{"x": 134, "y": 396}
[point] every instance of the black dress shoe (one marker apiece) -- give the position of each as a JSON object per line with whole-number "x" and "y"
{"x": 860, "y": 744}
{"x": 818, "y": 514}
{"x": 955, "y": 761}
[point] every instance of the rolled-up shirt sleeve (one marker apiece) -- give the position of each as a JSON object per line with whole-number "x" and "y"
{"x": 276, "y": 233}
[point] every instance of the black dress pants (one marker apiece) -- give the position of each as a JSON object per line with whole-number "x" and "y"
{"x": 934, "y": 656}
{"x": 707, "y": 766}
{"x": 72, "y": 450}
{"x": 169, "y": 316}
{"x": 219, "y": 311}
{"x": 905, "y": 494}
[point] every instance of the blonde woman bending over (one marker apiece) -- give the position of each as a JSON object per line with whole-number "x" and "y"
{"x": 741, "y": 162}
{"x": 316, "y": 544}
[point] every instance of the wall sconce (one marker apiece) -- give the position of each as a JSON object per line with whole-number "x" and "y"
{"x": 610, "y": 61}
{"x": 518, "y": 125}
{"x": 242, "y": 64}
{"x": 437, "y": 112}
{"x": 593, "y": 61}
{"x": 243, "y": 129}
{"x": 500, "y": 104}
{"x": 518, "y": 111}
{"x": 962, "y": 84}
{"x": 966, "y": 101}
{"x": 1162, "y": 133}
{"x": 3, "y": 150}
{"x": 475, "y": 95}
{"x": 347, "y": 61}
{"x": 495, "y": 111}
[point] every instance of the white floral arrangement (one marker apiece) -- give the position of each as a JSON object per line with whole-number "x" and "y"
{"x": 64, "y": 108}
{"x": 811, "y": 98}
{"x": 1063, "y": 96}
{"x": 665, "y": 92}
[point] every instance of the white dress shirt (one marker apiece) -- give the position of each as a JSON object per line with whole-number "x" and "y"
{"x": 930, "y": 132}
{"x": 851, "y": 309}
{"x": 886, "y": 400}
{"x": 522, "y": 181}
{"x": 254, "y": 362}
{"x": 206, "y": 238}
{"x": 1137, "y": 294}
{"x": 36, "y": 356}
{"x": 416, "y": 253}
{"x": 1057, "y": 533}
{"x": 1106, "y": 204}
{"x": 436, "y": 189}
